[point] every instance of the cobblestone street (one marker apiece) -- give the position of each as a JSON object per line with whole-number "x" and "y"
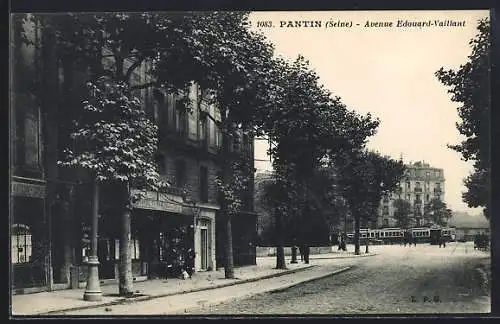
{"x": 398, "y": 280}
{"x": 425, "y": 279}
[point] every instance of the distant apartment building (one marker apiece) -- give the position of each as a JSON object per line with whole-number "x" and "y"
{"x": 420, "y": 185}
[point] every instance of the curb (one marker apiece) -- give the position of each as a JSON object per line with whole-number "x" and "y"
{"x": 346, "y": 257}
{"x": 150, "y": 297}
{"x": 310, "y": 280}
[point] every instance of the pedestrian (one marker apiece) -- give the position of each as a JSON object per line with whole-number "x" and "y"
{"x": 415, "y": 241}
{"x": 306, "y": 254}
{"x": 190, "y": 255}
{"x": 301, "y": 251}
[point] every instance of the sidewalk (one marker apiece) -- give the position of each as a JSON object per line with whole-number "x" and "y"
{"x": 72, "y": 299}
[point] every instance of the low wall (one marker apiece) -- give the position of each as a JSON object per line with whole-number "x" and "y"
{"x": 271, "y": 251}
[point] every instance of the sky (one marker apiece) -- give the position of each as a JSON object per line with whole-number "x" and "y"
{"x": 387, "y": 71}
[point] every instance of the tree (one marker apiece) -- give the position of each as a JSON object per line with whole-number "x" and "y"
{"x": 365, "y": 177}
{"x": 305, "y": 123}
{"x": 436, "y": 212}
{"x": 116, "y": 142}
{"x": 470, "y": 86}
{"x": 402, "y": 213}
{"x": 214, "y": 49}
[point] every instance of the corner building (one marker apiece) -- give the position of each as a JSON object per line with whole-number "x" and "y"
{"x": 50, "y": 209}
{"x": 420, "y": 184}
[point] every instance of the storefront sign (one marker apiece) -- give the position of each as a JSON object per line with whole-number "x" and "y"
{"x": 28, "y": 190}
{"x": 162, "y": 202}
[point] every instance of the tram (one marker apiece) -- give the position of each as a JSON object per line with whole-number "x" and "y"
{"x": 392, "y": 235}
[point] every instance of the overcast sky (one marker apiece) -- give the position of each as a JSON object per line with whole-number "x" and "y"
{"x": 389, "y": 72}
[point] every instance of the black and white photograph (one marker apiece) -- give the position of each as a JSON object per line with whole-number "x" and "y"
{"x": 247, "y": 163}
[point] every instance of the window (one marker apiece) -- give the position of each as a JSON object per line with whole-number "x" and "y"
{"x": 21, "y": 244}
{"x": 180, "y": 118}
{"x": 180, "y": 173}
{"x": 158, "y": 104}
{"x": 408, "y": 184}
{"x": 386, "y": 210}
{"x": 134, "y": 249}
{"x": 27, "y": 132}
{"x": 427, "y": 174}
{"x": 220, "y": 196}
{"x": 203, "y": 136}
{"x": 218, "y": 137}
{"x": 203, "y": 184}
{"x": 386, "y": 222}
{"x": 417, "y": 184}
{"x": 437, "y": 174}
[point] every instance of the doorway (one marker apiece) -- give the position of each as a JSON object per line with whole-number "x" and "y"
{"x": 204, "y": 247}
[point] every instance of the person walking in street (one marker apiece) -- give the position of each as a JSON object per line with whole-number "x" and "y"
{"x": 306, "y": 254}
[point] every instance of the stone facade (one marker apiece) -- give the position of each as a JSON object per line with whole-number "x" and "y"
{"x": 420, "y": 184}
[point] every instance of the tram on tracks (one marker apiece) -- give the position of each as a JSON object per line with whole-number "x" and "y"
{"x": 392, "y": 235}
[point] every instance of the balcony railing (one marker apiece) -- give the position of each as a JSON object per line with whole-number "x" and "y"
{"x": 437, "y": 190}
{"x": 418, "y": 189}
{"x": 176, "y": 191}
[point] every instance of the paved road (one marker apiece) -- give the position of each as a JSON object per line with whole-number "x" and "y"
{"x": 181, "y": 304}
{"x": 425, "y": 279}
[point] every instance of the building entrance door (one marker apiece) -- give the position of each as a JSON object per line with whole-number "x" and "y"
{"x": 204, "y": 248}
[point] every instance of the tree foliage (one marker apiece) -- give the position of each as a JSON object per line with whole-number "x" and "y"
{"x": 364, "y": 177}
{"x": 113, "y": 138}
{"x": 437, "y": 212}
{"x": 402, "y": 213}
{"x": 469, "y": 85}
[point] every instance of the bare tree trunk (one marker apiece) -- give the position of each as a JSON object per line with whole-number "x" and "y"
{"x": 280, "y": 253}
{"x": 125, "y": 266}
{"x": 356, "y": 234}
{"x": 228, "y": 248}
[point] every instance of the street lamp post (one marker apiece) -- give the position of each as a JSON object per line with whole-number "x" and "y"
{"x": 93, "y": 291}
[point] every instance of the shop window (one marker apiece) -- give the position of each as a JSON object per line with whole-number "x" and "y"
{"x": 134, "y": 249}
{"x": 21, "y": 244}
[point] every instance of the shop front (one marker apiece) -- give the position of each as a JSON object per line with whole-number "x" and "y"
{"x": 29, "y": 236}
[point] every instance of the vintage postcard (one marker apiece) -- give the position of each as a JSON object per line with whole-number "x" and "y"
{"x": 226, "y": 163}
